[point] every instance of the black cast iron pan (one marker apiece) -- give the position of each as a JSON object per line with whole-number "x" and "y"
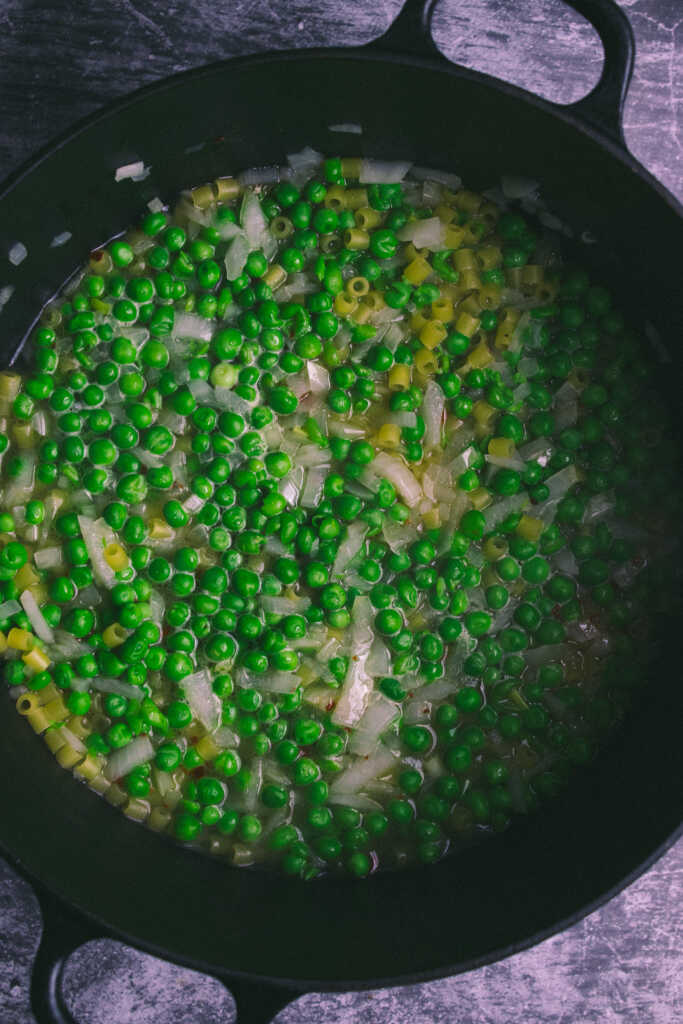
{"x": 270, "y": 938}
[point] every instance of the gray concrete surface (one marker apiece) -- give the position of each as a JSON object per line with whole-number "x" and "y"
{"x": 59, "y": 61}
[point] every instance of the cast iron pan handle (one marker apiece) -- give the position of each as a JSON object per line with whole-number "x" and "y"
{"x": 602, "y": 108}
{"x": 64, "y": 931}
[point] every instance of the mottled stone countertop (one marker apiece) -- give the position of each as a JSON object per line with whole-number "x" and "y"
{"x": 623, "y": 963}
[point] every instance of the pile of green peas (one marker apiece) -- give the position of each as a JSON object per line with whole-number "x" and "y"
{"x": 111, "y": 421}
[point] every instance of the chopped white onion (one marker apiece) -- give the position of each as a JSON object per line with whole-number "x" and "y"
{"x": 363, "y": 771}
{"x": 566, "y": 414}
{"x": 106, "y": 684}
{"x": 346, "y": 127}
{"x": 518, "y": 187}
{"x": 253, "y": 220}
{"x": 505, "y": 461}
{"x": 224, "y": 737}
{"x": 349, "y": 547}
{"x": 550, "y": 652}
{"x": 379, "y": 659}
{"x": 96, "y": 535}
{"x": 312, "y": 455}
{"x": 313, "y": 488}
{"x": 36, "y": 617}
{"x": 290, "y": 485}
{"x": 450, "y": 180}
{"x": 318, "y": 377}
{"x": 75, "y": 742}
{"x": 135, "y": 171}
{"x": 559, "y": 483}
{"x": 20, "y": 489}
{"x": 276, "y": 605}
{"x": 267, "y": 175}
{"x": 500, "y": 510}
{"x": 339, "y": 428}
{"x": 437, "y": 690}
{"x": 17, "y": 254}
{"x": 416, "y": 711}
{"x": 135, "y": 753}
{"x": 429, "y": 233}
{"x": 276, "y": 682}
{"x": 434, "y": 414}
{"x": 205, "y": 705}
{"x": 6, "y": 293}
{"x": 379, "y": 716}
{"x": 357, "y": 685}
{"x": 225, "y": 398}
{"x": 61, "y": 239}
{"x": 387, "y": 172}
{"x": 189, "y": 325}
{"x": 537, "y": 450}
{"x": 565, "y": 561}
{"x": 236, "y": 256}
{"x": 599, "y": 506}
{"x": 397, "y": 535}
{"x": 9, "y": 608}
{"x": 400, "y": 476}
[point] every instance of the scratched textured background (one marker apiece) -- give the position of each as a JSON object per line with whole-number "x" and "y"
{"x": 60, "y": 61}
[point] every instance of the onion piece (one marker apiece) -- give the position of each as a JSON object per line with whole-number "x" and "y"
{"x": 318, "y": 377}
{"x": 236, "y": 256}
{"x": 276, "y": 682}
{"x": 499, "y": 511}
{"x": 379, "y": 660}
{"x": 17, "y": 254}
{"x": 106, "y": 684}
{"x": 253, "y": 220}
{"x": 400, "y": 476}
{"x": 550, "y": 652}
{"x": 559, "y": 483}
{"x": 60, "y": 239}
{"x": 355, "y": 800}
{"x": 505, "y": 462}
{"x": 379, "y": 715}
{"x": 135, "y": 171}
{"x": 349, "y": 547}
{"x": 313, "y": 489}
{"x": 189, "y": 325}
{"x": 385, "y": 172}
{"x": 267, "y": 175}
{"x": 75, "y": 742}
{"x": 276, "y": 605}
{"x": 429, "y": 233}
{"x": 357, "y": 685}
{"x": 434, "y": 414}
{"x": 20, "y": 489}
{"x": 36, "y": 617}
{"x": 437, "y": 690}
{"x": 96, "y": 535}
{"x": 310, "y": 455}
{"x": 363, "y": 771}
{"x": 9, "y": 608}
{"x": 515, "y": 187}
{"x": 290, "y": 485}
{"x": 348, "y": 128}
{"x": 135, "y": 753}
{"x": 225, "y": 737}
{"x": 447, "y": 178}
{"x": 205, "y": 705}
{"x": 6, "y": 293}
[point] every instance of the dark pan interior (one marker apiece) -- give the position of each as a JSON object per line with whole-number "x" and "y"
{"x": 503, "y": 893}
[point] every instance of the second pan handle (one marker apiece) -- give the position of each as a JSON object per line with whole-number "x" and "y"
{"x": 601, "y": 109}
